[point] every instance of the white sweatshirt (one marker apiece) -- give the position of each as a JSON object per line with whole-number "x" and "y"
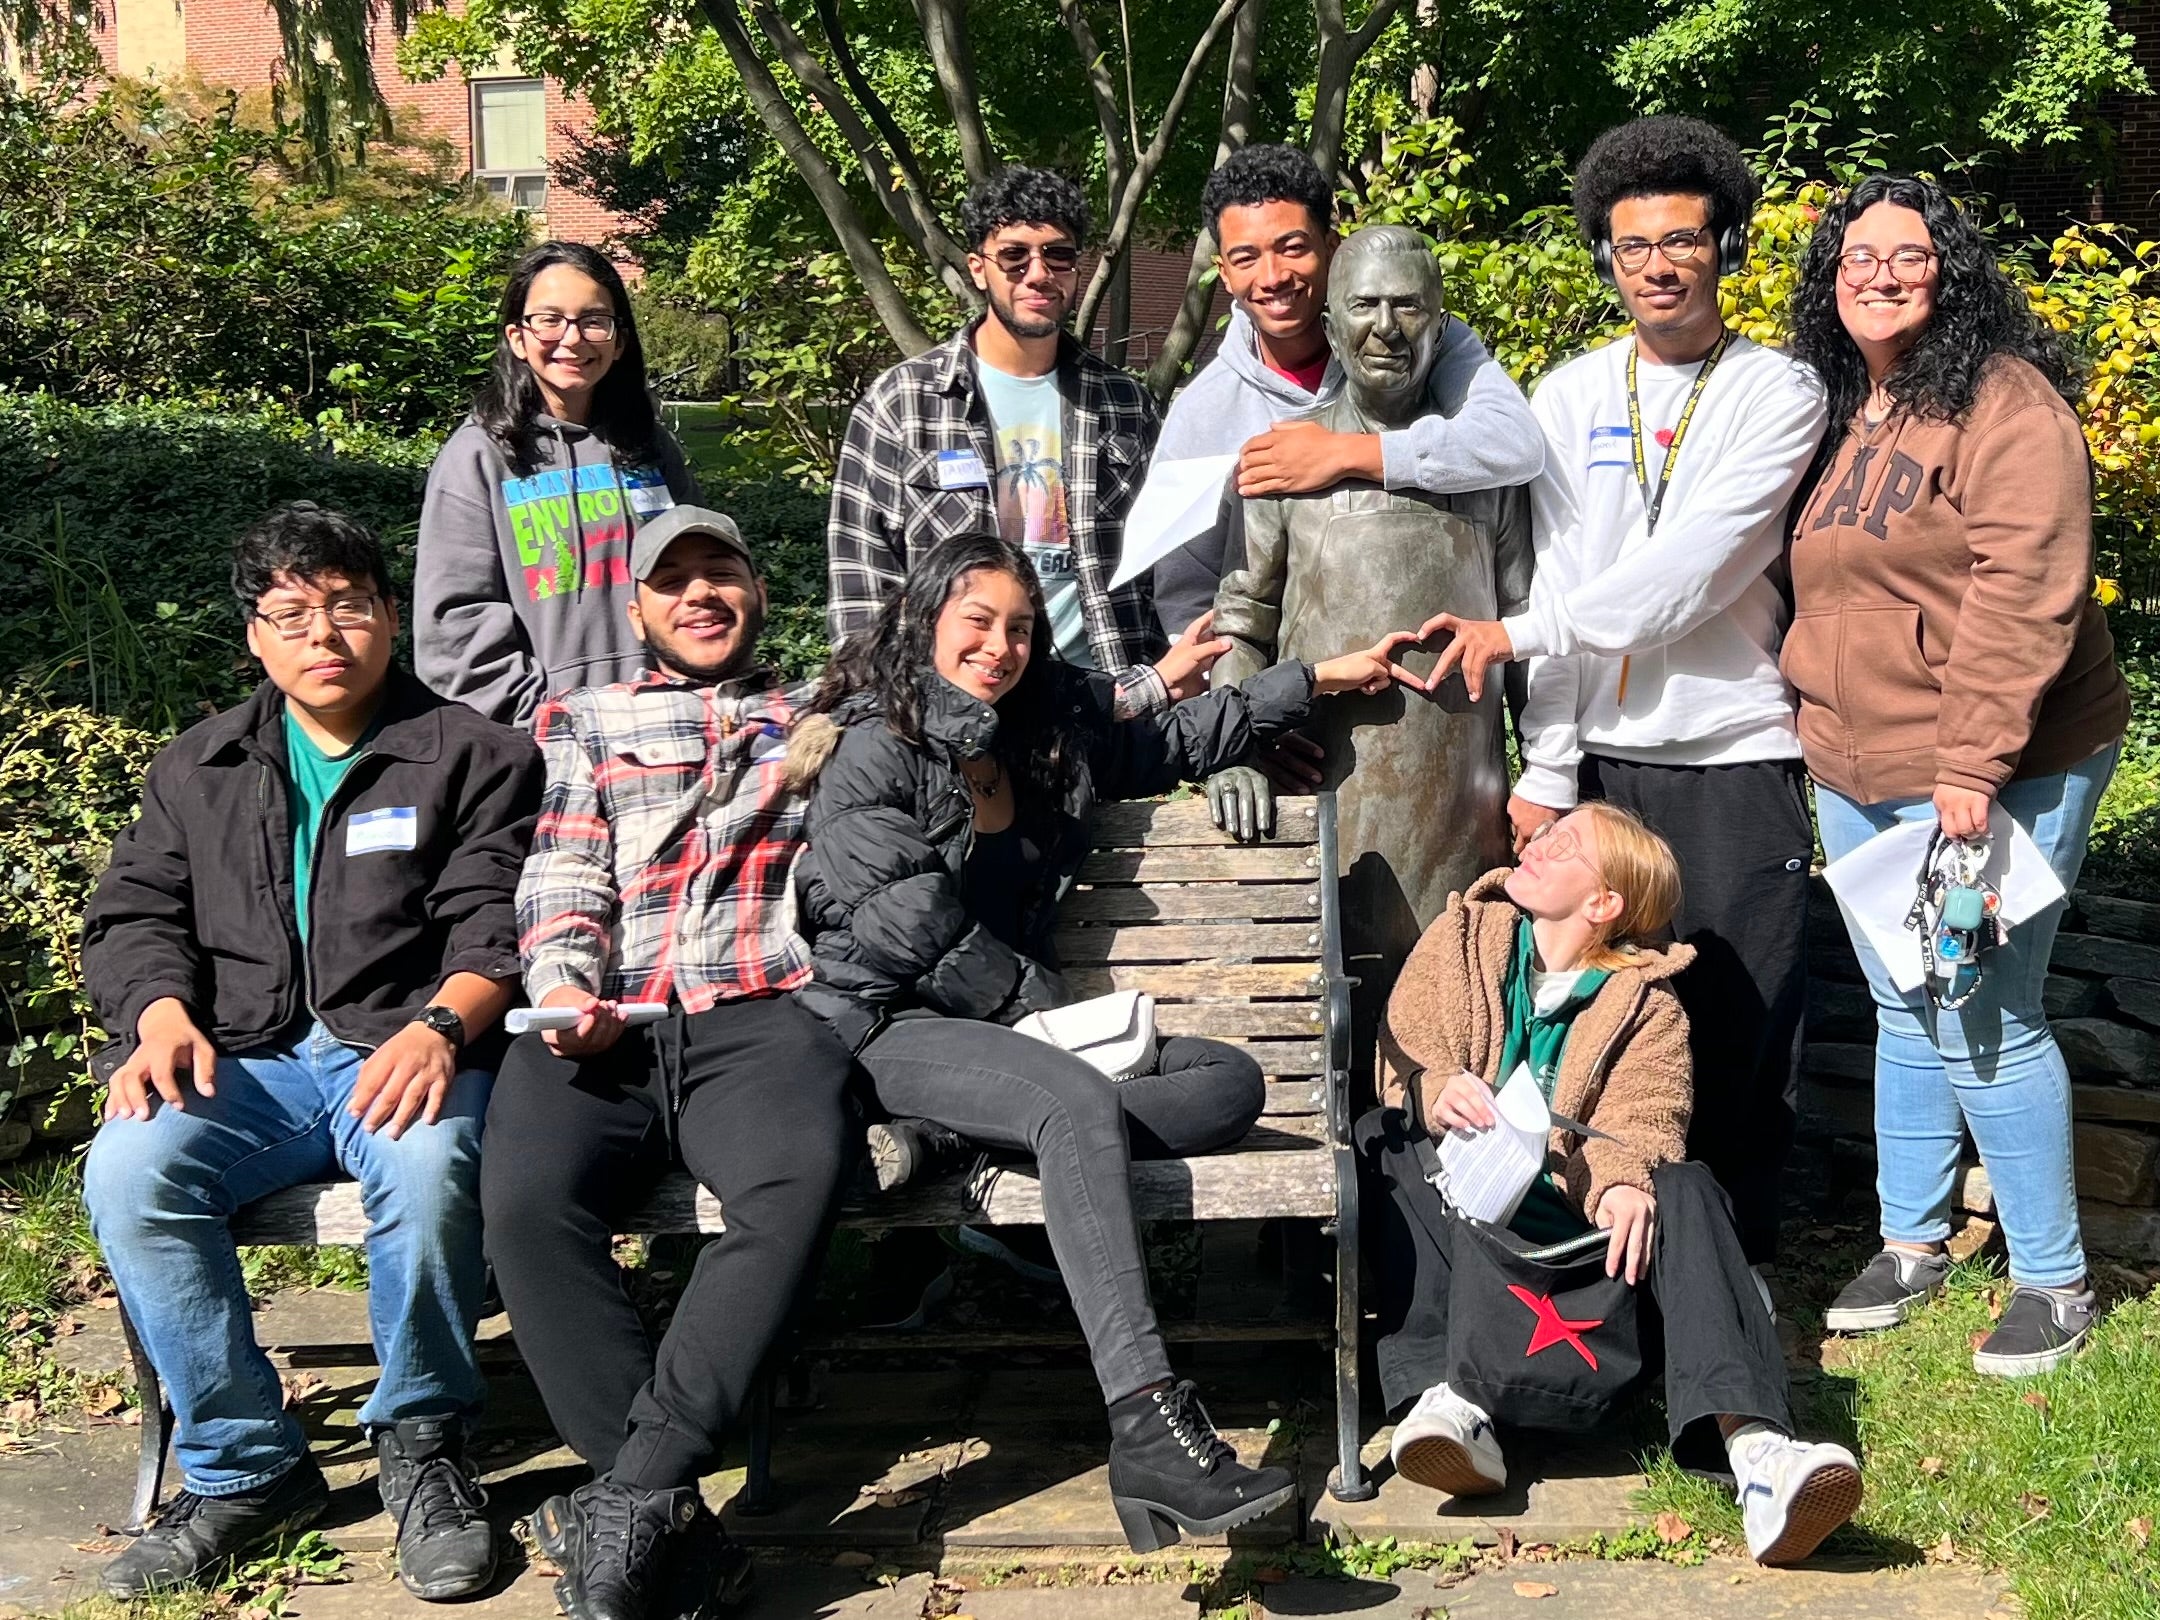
{"x": 1691, "y": 616}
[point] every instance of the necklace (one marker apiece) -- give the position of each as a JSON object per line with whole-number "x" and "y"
{"x": 986, "y": 791}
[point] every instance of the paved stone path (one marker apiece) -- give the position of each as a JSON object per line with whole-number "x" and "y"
{"x": 895, "y": 1474}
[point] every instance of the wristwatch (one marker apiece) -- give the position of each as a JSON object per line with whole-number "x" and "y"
{"x": 445, "y": 1022}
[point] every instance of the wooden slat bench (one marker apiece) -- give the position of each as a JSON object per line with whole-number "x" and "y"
{"x": 1239, "y": 942}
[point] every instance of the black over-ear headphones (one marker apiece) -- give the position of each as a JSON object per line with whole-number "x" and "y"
{"x": 1732, "y": 245}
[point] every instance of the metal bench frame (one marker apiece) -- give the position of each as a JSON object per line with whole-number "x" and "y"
{"x": 328, "y": 1213}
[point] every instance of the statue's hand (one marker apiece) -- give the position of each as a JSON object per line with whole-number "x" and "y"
{"x": 1242, "y": 803}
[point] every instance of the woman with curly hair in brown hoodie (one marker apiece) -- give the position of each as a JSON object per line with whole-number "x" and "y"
{"x": 1541, "y": 970}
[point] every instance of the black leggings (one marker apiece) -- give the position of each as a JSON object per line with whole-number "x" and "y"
{"x": 1008, "y": 1090}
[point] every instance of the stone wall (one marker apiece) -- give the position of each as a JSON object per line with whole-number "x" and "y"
{"x": 2103, "y": 996}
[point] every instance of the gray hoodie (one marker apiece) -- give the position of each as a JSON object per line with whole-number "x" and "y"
{"x": 1481, "y": 435}
{"x": 521, "y": 584}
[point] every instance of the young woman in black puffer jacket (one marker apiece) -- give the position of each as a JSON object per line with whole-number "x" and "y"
{"x": 955, "y": 770}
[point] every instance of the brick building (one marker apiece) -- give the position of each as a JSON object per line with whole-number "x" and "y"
{"x": 507, "y": 128}
{"x": 2127, "y": 193}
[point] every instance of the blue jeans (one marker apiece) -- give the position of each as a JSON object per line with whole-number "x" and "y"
{"x": 1992, "y": 1066}
{"x": 162, "y": 1191}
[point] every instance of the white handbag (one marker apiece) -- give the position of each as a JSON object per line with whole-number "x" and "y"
{"x": 1116, "y": 1033}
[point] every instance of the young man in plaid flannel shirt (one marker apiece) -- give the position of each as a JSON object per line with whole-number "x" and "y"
{"x": 1012, "y": 428}
{"x": 661, "y": 872}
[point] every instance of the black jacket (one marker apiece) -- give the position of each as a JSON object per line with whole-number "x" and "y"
{"x": 882, "y": 891}
{"x": 198, "y": 899}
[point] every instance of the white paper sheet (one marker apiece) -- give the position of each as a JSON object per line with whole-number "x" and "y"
{"x": 1178, "y": 501}
{"x": 1876, "y": 882}
{"x": 1488, "y": 1172}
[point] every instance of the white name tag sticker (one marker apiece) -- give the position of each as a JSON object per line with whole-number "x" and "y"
{"x": 1612, "y": 447}
{"x": 648, "y": 496}
{"x": 961, "y": 469}
{"x": 394, "y": 826}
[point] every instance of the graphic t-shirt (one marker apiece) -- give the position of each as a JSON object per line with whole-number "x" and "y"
{"x": 311, "y": 777}
{"x": 1027, "y": 421}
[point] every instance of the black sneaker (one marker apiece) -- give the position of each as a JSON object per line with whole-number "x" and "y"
{"x": 445, "y": 1549}
{"x": 707, "y": 1574}
{"x": 194, "y": 1537}
{"x": 1170, "y": 1471}
{"x": 905, "y": 1150}
{"x": 2040, "y": 1330}
{"x": 1889, "y": 1288}
{"x": 621, "y": 1551}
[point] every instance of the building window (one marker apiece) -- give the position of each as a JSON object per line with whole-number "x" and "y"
{"x": 509, "y": 125}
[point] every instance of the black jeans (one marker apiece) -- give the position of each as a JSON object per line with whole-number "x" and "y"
{"x": 1743, "y": 839}
{"x": 1008, "y": 1090}
{"x": 750, "y": 1097}
{"x": 1721, "y": 1350}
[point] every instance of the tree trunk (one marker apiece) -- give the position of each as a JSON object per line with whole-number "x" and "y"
{"x": 1237, "y": 118}
{"x": 945, "y": 32}
{"x": 1340, "y": 49}
{"x": 848, "y": 226}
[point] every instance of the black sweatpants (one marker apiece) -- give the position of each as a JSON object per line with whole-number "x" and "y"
{"x": 1743, "y": 839}
{"x": 1721, "y": 1350}
{"x": 759, "y": 1117}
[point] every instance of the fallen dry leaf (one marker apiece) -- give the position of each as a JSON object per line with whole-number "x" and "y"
{"x": 1974, "y": 1341}
{"x": 1672, "y": 1529}
{"x": 2037, "y": 1401}
{"x": 68, "y": 1325}
{"x": 1932, "y": 1467}
{"x": 1944, "y": 1551}
{"x": 1536, "y": 1589}
{"x": 19, "y": 1321}
{"x": 1507, "y": 1543}
{"x": 20, "y": 1413}
{"x": 1994, "y": 1304}
{"x": 2033, "y": 1505}
{"x": 2140, "y": 1530}
{"x": 299, "y": 1386}
{"x": 894, "y": 1499}
{"x": 106, "y": 1302}
{"x": 1271, "y": 1575}
{"x": 104, "y": 1401}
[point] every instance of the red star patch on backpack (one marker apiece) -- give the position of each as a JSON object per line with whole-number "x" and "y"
{"x": 1552, "y": 1328}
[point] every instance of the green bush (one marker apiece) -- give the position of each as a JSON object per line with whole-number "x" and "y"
{"x": 116, "y": 530}
{"x": 69, "y": 782}
{"x": 150, "y": 252}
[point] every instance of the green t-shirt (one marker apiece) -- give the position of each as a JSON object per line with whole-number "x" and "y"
{"x": 311, "y": 776}
{"x": 1541, "y": 1009}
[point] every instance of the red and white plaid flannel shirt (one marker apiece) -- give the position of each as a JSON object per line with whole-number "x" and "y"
{"x": 664, "y": 861}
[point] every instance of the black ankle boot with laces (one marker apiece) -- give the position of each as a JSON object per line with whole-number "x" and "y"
{"x": 1170, "y": 1470}
{"x": 445, "y": 1548}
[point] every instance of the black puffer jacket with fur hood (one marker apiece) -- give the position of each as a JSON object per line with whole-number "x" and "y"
{"x": 882, "y": 890}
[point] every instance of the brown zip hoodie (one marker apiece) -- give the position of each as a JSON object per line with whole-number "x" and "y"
{"x": 1944, "y": 631}
{"x": 1625, "y": 1070}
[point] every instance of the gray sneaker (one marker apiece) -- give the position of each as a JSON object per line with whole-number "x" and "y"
{"x": 1889, "y": 1288}
{"x": 2041, "y": 1329}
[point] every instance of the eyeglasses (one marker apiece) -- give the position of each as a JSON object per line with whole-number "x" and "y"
{"x": 346, "y": 613}
{"x": 1908, "y": 265}
{"x": 1562, "y": 845}
{"x": 552, "y": 323}
{"x": 1679, "y": 247}
{"x": 1057, "y": 257}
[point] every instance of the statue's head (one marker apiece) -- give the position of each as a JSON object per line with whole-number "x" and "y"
{"x": 1385, "y": 316}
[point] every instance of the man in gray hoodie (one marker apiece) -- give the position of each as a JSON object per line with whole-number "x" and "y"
{"x": 1272, "y": 214}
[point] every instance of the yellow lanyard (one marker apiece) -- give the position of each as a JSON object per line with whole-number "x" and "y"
{"x": 1654, "y": 500}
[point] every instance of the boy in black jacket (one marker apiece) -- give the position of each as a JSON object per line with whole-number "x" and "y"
{"x": 301, "y": 946}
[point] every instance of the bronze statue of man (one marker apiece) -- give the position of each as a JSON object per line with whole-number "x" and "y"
{"x": 1421, "y": 779}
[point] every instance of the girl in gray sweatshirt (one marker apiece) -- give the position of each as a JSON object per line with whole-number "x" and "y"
{"x": 522, "y": 578}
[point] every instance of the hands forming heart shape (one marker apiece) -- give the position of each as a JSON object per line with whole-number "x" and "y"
{"x": 1472, "y": 646}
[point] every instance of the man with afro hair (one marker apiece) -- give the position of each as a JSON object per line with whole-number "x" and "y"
{"x": 1653, "y": 628}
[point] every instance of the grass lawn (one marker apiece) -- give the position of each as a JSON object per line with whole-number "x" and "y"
{"x": 2055, "y": 1480}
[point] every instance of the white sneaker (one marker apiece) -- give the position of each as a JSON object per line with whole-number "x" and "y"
{"x": 1793, "y": 1494}
{"x": 1447, "y": 1444}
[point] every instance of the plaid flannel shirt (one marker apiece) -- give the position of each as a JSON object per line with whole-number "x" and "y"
{"x": 664, "y": 861}
{"x": 887, "y": 503}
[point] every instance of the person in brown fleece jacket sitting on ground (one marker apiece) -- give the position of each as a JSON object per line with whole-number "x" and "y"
{"x": 1542, "y": 967}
